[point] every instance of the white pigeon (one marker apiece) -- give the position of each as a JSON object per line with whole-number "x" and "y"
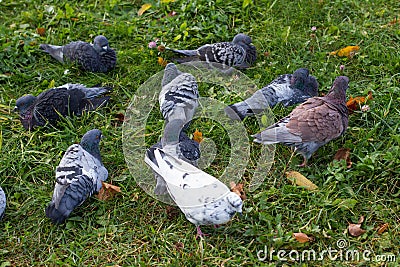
{"x": 201, "y": 197}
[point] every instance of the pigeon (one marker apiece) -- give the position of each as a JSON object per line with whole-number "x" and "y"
{"x": 68, "y": 99}
{"x": 201, "y": 197}
{"x": 288, "y": 89}
{"x": 79, "y": 175}
{"x": 181, "y": 147}
{"x": 179, "y": 96}
{"x": 313, "y": 123}
{"x": 2, "y": 203}
{"x": 239, "y": 53}
{"x": 96, "y": 57}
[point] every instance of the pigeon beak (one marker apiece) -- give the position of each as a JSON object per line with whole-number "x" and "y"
{"x": 105, "y": 47}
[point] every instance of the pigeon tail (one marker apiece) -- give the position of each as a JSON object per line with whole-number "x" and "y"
{"x": 238, "y": 111}
{"x": 55, "y": 215}
{"x": 188, "y": 53}
{"x": 54, "y": 50}
{"x": 95, "y": 103}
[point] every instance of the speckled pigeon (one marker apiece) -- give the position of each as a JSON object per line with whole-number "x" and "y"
{"x": 2, "y": 203}
{"x": 68, "y": 99}
{"x": 78, "y": 176}
{"x": 96, "y": 57}
{"x": 179, "y": 95}
{"x": 239, "y": 53}
{"x": 181, "y": 147}
{"x": 201, "y": 197}
{"x": 288, "y": 89}
{"x": 313, "y": 123}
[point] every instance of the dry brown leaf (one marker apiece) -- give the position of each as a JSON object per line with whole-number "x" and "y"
{"x": 143, "y": 9}
{"x": 356, "y": 102}
{"x": 162, "y": 61}
{"x": 383, "y": 228}
{"x": 343, "y": 153}
{"x": 348, "y": 51}
{"x": 355, "y": 228}
{"x": 74, "y": 19}
{"x": 238, "y": 189}
{"x": 161, "y": 48}
{"x": 198, "y": 136}
{"x": 172, "y": 212}
{"x": 107, "y": 191}
{"x": 299, "y": 179}
{"x": 41, "y": 31}
{"x": 302, "y": 238}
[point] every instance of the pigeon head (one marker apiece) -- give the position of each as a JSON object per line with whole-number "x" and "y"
{"x": 90, "y": 142}
{"x": 235, "y": 201}
{"x": 24, "y": 102}
{"x": 299, "y": 78}
{"x": 170, "y": 73}
{"x": 100, "y": 44}
{"x": 338, "y": 90}
{"x": 311, "y": 86}
{"x": 242, "y": 38}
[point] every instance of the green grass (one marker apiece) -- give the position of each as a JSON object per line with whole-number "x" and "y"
{"x": 134, "y": 229}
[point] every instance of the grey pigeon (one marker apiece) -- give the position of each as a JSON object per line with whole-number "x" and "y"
{"x": 96, "y": 57}
{"x": 2, "y": 203}
{"x": 181, "y": 147}
{"x": 179, "y": 95}
{"x": 313, "y": 123}
{"x": 78, "y": 176}
{"x": 68, "y": 99}
{"x": 288, "y": 89}
{"x": 201, "y": 197}
{"x": 239, "y": 53}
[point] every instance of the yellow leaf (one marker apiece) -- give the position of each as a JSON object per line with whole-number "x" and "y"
{"x": 167, "y": 1}
{"x": 143, "y": 9}
{"x": 348, "y": 51}
{"x": 162, "y": 61}
{"x": 198, "y": 136}
{"x": 298, "y": 179}
{"x": 51, "y": 84}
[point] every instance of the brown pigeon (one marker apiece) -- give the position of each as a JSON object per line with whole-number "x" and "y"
{"x": 313, "y": 123}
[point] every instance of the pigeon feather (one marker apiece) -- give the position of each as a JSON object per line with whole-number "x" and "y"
{"x": 2, "y": 203}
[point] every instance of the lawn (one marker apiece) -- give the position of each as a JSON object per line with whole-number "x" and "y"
{"x": 135, "y": 229}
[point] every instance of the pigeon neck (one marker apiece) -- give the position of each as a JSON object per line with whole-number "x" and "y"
{"x": 93, "y": 149}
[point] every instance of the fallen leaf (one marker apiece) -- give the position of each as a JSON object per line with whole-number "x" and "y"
{"x": 356, "y": 102}
{"x": 161, "y": 48}
{"x": 198, "y": 136}
{"x": 355, "y": 228}
{"x": 74, "y": 19}
{"x": 120, "y": 117}
{"x": 179, "y": 246}
{"x": 143, "y": 9}
{"x": 383, "y": 228}
{"x": 238, "y": 189}
{"x": 41, "y": 31}
{"x": 391, "y": 23}
{"x": 302, "y": 238}
{"x": 107, "y": 191}
{"x": 343, "y": 153}
{"x": 167, "y": 1}
{"x": 299, "y": 179}
{"x": 348, "y": 51}
{"x": 162, "y": 61}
